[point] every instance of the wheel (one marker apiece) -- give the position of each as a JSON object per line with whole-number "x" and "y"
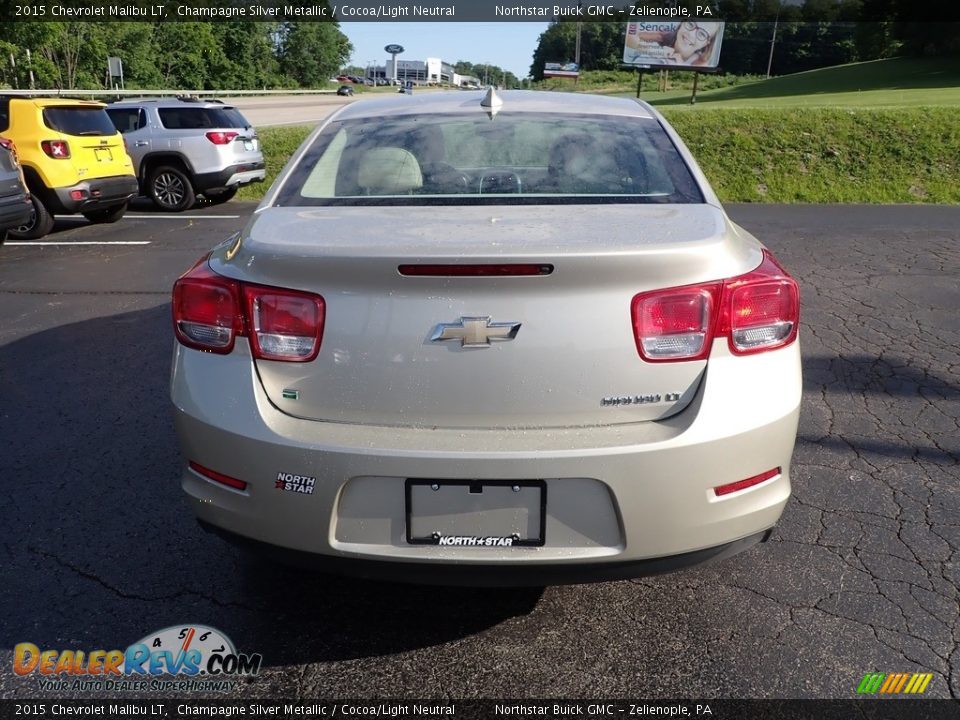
{"x": 39, "y": 224}
{"x": 215, "y": 197}
{"x": 170, "y": 189}
{"x": 107, "y": 215}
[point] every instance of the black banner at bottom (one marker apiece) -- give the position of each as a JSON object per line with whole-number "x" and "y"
{"x": 873, "y": 708}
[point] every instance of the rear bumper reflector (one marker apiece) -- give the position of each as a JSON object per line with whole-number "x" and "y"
{"x": 218, "y": 477}
{"x": 744, "y": 484}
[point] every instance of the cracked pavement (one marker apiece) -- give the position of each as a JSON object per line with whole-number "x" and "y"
{"x": 860, "y": 576}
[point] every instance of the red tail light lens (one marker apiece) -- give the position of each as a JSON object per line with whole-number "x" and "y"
{"x": 284, "y": 325}
{"x": 761, "y": 309}
{"x": 756, "y": 312}
{"x": 8, "y": 145}
{"x": 221, "y": 138}
{"x": 57, "y": 149}
{"x": 210, "y": 311}
{"x": 675, "y": 324}
{"x": 206, "y": 310}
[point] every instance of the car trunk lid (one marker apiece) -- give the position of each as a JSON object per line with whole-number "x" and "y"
{"x": 573, "y": 353}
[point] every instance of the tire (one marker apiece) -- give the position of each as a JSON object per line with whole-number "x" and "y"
{"x": 170, "y": 189}
{"x": 215, "y": 197}
{"x": 107, "y": 215}
{"x": 40, "y": 223}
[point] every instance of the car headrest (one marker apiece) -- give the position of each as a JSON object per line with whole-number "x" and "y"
{"x": 389, "y": 171}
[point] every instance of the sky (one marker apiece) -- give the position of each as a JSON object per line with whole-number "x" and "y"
{"x": 509, "y": 45}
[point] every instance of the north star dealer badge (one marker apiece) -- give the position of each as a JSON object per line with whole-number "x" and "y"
{"x": 295, "y": 483}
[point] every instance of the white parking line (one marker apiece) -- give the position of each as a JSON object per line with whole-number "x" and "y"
{"x": 78, "y": 242}
{"x": 180, "y": 217}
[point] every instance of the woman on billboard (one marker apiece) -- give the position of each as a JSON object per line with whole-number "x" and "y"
{"x": 695, "y": 44}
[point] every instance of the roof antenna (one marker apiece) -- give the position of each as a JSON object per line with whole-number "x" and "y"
{"x": 492, "y": 102}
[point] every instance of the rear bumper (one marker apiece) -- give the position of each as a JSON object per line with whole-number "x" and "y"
{"x": 622, "y": 500}
{"x": 14, "y": 212}
{"x": 96, "y": 193}
{"x": 240, "y": 174}
{"x": 526, "y": 575}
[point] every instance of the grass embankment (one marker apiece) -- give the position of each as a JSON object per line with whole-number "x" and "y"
{"x": 278, "y": 143}
{"x": 826, "y": 155}
{"x": 828, "y": 135}
{"x": 897, "y": 82}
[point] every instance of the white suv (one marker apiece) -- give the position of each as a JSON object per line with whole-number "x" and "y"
{"x": 182, "y": 147}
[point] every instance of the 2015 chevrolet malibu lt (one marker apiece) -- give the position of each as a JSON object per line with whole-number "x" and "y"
{"x": 509, "y": 339}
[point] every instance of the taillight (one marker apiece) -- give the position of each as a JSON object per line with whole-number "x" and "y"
{"x": 756, "y": 312}
{"x": 284, "y": 325}
{"x": 210, "y": 311}
{"x": 57, "y": 149}
{"x": 761, "y": 310}
{"x": 220, "y": 137}
{"x": 12, "y": 149}
{"x": 675, "y": 324}
{"x": 207, "y": 313}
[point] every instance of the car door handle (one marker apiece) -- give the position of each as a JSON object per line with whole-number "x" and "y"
{"x": 141, "y": 143}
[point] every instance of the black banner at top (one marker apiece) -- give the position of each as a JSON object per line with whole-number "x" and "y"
{"x": 468, "y": 11}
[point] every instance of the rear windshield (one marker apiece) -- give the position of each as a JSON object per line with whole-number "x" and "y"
{"x": 185, "y": 118}
{"x": 472, "y": 159}
{"x": 78, "y": 120}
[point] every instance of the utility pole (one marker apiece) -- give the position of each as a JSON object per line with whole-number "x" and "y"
{"x": 773, "y": 41}
{"x": 576, "y": 54}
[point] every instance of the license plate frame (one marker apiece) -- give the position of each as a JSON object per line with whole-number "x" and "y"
{"x": 541, "y": 507}
{"x": 103, "y": 154}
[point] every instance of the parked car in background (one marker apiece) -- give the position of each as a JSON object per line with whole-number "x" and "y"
{"x": 514, "y": 340}
{"x": 15, "y": 205}
{"x": 184, "y": 147}
{"x": 345, "y": 90}
{"x": 73, "y": 160}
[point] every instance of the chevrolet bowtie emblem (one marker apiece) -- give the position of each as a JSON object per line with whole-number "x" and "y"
{"x": 475, "y": 331}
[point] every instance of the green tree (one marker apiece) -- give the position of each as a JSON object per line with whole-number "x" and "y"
{"x": 250, "y": 53}
{"x": 310, "y": 52}
{"x": 601, "y": 46}
{"x": 188, "y": 55}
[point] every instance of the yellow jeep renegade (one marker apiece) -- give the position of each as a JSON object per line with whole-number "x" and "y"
{"x": 73, "y": 159}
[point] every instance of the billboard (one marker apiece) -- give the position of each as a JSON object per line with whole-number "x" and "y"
{"x": 554, "y": 69}
{"x": 693, "y": 44}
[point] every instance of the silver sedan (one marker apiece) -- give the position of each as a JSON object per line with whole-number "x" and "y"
{"x": 501, "y": 339}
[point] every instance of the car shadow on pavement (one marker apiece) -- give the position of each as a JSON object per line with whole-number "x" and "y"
{"x": 101, "y": 548}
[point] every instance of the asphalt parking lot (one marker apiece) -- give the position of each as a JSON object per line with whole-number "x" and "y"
{"x": 860, "y": 576}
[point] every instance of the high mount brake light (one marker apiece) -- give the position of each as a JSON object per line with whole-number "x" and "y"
{"x": 756, "y": 312}
{"x": 210, "y": 311}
